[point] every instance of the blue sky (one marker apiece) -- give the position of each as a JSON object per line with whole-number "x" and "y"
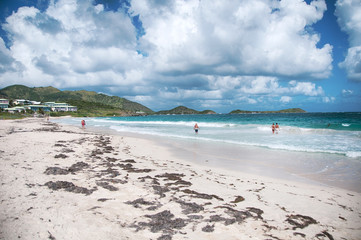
{"x": 203, "y": 54}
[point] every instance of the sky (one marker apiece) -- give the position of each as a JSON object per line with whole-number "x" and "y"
{"x": 204, "y": 54}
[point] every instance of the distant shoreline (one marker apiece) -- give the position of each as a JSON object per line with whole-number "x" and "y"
{"x": 94, "y": 104}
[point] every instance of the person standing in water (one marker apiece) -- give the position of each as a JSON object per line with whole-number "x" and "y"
{"x": 196, "y": 128}
{"x": 82, "y": 124}
{"x": 273, "y": 128}
{"x": 277, "y": 128}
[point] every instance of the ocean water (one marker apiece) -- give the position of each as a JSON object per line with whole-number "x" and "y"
{"x": 331, "y": 133}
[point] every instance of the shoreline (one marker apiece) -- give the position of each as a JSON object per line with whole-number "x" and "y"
{"x": 306, "y": 167}
{"x": 61, "y": 182}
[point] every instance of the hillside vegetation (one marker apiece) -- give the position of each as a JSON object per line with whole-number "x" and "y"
{"x": 92, "y": 104}
{"x": 88, "y": 103}
{"x": 184, "y": 110}
{"x": 290, "y": 110}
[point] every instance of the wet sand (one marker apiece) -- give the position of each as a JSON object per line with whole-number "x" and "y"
{"x": 61, "y": 182}
{"x": 312, "y": 168}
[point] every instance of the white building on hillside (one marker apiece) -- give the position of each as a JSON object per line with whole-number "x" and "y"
{"x": 61, "y": 107}
{"x": 21, "y": 102}
{"x": 15, "y": 109}
{"x": 4, "y": 103}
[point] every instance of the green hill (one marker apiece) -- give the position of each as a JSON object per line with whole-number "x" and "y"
{"x": 179, "y": 110}
{"x": 88, "y": 103}
{"x": 23, "y": 92}
{"x": 292, "y": 110}
{"x": 208, "y": 112}
{"x": 289, "y": 110}
{"x": 184, "y": 110}
{"x": 96, "y": 104}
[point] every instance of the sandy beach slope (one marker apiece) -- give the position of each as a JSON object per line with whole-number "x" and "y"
{"x": 61, "y": 182}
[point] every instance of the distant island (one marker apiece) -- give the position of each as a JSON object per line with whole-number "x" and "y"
{"x": 92, "y": 104}
{"x": 184, "y": 110}
{"x": 289, "y": 110}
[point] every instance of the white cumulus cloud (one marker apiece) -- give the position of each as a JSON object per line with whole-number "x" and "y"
{"x": 72, "y": 43}
{"x": 347, "y": 92}
{"x": 209, "y": 50}
{"x": 230, "y": 38}
{"x": 286, "y": 99}
{"x": 326, "y": 99}
{"x": 349, "y": 19}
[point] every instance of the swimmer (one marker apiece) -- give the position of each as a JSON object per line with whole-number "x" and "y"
{"x": 196, "y": 128}
{"x": 277, "y": 128}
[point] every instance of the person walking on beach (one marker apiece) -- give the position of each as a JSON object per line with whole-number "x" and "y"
{"x": 196, "y": 128}
{"x": 273, "y": 128}
{"x": 277, "y": 128}
{"x": 82, "y": 124}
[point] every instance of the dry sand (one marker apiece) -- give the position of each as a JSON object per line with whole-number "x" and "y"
{"x": 61, "y": 182}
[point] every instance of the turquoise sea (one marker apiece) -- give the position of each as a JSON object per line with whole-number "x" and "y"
{"x": 332, "y": 133}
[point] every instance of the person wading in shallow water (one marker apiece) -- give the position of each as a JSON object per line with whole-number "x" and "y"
{"x": 273, "y": 128}
{"x": 196, "y": 128}
{"x": 277, "y": 128}
{"x": 82, "y": 124}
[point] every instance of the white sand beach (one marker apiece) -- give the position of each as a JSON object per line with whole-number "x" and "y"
{"x": 63, "y": 182}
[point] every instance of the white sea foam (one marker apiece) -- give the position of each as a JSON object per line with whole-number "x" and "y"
{"x": 264, "y": 128}
{"x": 283, "y": 141}
{"x": 165, "y": 123}
{"x": 289, "y": 138}
{"x": 325, "y": 169}
{"x": 353, "y": 154}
